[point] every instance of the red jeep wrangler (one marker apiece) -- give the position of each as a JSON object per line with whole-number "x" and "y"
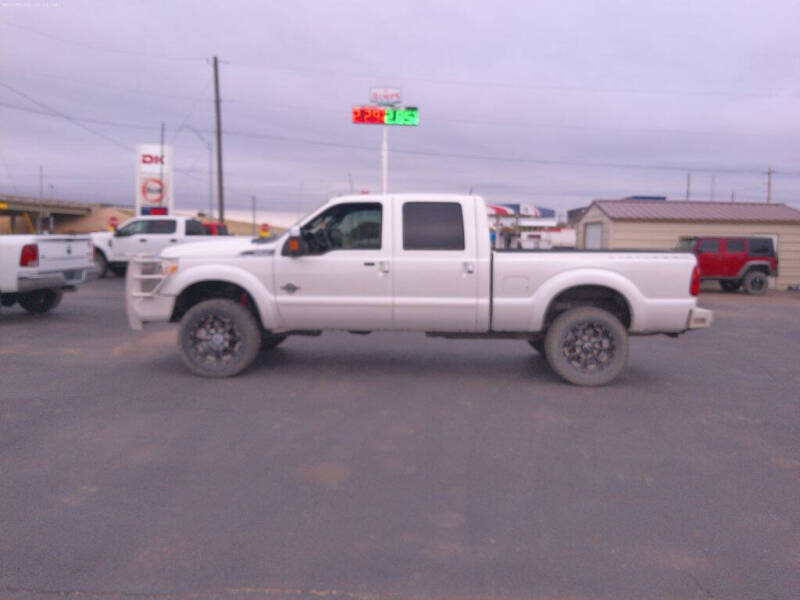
{"x": 734, "y": 261}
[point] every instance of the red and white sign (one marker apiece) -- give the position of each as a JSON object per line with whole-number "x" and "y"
{"x": 385, "y": 96}
{"x": 154, "y": 190}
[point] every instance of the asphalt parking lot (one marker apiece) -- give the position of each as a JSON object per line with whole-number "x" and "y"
{"x": 397, "y": 466}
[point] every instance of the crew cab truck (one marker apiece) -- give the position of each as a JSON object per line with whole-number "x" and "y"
{"x": 36, "y": 270}
{"x": 411, "y": 263}
{"x": 734, "y": 262}
{"x": 148, "y": 235}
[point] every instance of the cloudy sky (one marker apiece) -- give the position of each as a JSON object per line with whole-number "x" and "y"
{"x": 546, "y": 103}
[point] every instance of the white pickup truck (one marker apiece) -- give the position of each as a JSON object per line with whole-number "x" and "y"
{"x": 141, "y": 235}
{"x": 412, "y": 263}
{"x": 35, "y": 270}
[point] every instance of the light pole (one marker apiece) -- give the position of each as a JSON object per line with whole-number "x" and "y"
{"x": 210, "y": 149}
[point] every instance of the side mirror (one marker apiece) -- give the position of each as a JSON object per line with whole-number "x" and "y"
{"x": 294, "y": 244}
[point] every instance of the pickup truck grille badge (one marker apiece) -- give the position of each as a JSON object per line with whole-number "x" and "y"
{"x": 290, "y": 288}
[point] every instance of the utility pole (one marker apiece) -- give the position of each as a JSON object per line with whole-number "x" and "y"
{"x": 161, "y": 166}
{"x": 769, "y": 185}
{"x": 688, "y": 187}
{"x": 41, "y": 200}
{"x": 385, "y": 161}
{"x": 220, "y": 195}
{"x": 254, "y": 216}
{"x": 713, "y": 182}
{"x": 733, "y": 196}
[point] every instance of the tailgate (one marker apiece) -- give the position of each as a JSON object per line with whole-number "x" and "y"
{"x": 64, "y": 252}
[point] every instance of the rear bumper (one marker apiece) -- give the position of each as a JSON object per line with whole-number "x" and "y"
{"x": 28, "y": 282}
{"x": 699, "y": 318}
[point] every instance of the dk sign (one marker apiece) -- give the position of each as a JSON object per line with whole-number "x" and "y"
{"x": 154, "y": 177}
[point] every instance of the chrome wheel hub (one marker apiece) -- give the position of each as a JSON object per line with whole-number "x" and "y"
{"x": 589, "y": 347}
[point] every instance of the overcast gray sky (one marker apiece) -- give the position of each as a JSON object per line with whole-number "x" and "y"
{"x": 547, "y": 103}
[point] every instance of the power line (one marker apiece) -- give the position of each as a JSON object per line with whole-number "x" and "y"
{"x": 513, "y": 85}
{"x": 98, "y": 48}
{"x": 77, "y": 123}
{"x": 492, "y": 158}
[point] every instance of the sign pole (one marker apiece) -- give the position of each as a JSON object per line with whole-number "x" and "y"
{"x": 385, "y": 161}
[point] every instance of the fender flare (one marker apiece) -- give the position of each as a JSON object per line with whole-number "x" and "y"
{"x": 263, "y": 299}
{"x": 580, "y": 277}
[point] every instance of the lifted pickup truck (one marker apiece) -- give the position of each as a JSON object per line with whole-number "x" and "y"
{"x": 35, "y": 270}
{"x": 148, "y": 235}
{"x": 411, "y": 263}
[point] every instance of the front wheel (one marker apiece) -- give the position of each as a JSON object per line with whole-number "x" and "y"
{"x": 537, "y": 345}
{"x": 587, "y": 346}
{"x": 755, "y": 283}
{"x": 40, "y": 301}
{"x": 100, "y": 263}
{"x": 218, "y": 338}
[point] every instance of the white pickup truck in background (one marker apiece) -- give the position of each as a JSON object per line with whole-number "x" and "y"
{"x": 35, "y": 270}
{"x": 412, "y": 263}
{"x": 142, "y": 235}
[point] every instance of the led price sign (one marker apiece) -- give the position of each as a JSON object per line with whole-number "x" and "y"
{"x": 379, "y": 115}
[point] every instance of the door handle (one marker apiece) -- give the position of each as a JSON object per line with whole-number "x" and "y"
{"x": 173, "y": 240}
{"x": 469, "y": 268}
{"x": 142, "y": 240}
{"x": 369, "y": 264}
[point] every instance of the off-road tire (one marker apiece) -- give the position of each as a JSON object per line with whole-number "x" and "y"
{"x": 538, "y": 345}
{"x": 100, "y": 263}
{"x": 40, "y": 301}
{"x": 730, "y": 286}
{"x": 587, "y": 346}
{"x": 755, "y": 283}
{"x": 218, "y": 338}
{"x": 270, "y": 340}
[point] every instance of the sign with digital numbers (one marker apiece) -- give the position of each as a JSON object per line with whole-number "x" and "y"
{"x": 379, "y": 115}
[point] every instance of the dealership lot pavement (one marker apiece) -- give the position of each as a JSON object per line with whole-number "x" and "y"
{"x": 393, "y": 465}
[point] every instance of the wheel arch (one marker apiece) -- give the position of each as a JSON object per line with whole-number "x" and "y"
{"x": 202, "y": 283}
{"x": 586, "y": 287}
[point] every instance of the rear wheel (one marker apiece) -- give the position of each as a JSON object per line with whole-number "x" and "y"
{"x": 755, "y": 283}
{"x": 218, "y": 338}
{"x": 730, "y": 286}
{"x": 587, "y": 346}
{"x": 40, "y": 301}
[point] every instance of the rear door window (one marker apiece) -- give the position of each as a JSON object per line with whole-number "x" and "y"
{"x": 160, "y": 226}
{"x": 433, "y": 226}
{"x": 734, "y": 246}
{"x": 195, "y": 228}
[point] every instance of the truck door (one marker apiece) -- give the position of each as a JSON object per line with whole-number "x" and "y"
{"x": 344, "y": 278}
{"x": 435, "y": 252}
{"x": 708, "y": 257}
{"x": 734, "y": 256}
{"x": 126, "y": 240}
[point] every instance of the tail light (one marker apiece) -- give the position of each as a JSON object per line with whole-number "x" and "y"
{"x": 694, "y": 287}
{"x": 29, "y": 256}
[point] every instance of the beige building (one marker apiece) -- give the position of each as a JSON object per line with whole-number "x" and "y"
{"x": 658, "y": 224}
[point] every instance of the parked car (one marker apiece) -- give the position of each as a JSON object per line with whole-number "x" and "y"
{"x": 36, "y": 270}
{"x": 735, "y": 262}
{"x": 215, "y": 228}
{"x": 148, "y": 235}
{"x": 412, "y": 263}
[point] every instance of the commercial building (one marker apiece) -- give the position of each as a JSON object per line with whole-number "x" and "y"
{"x": 659, "y": 224}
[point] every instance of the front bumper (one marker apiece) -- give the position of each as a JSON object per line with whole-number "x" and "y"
{"x": 143, "y": 302}
{"x": 49, "y": 280}
{"x": 699, "y": 318}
